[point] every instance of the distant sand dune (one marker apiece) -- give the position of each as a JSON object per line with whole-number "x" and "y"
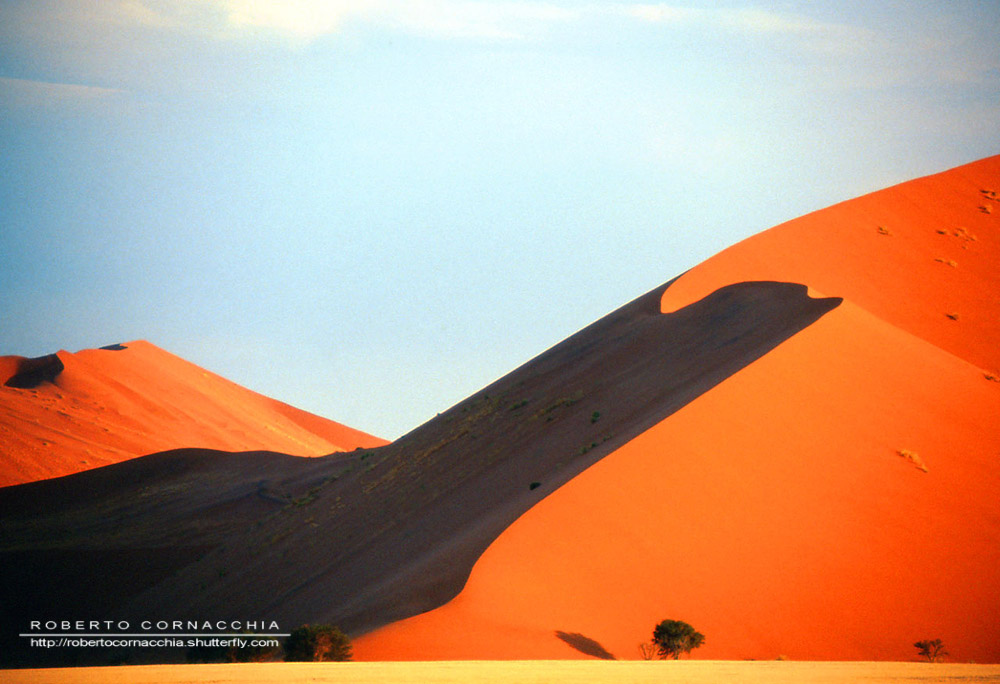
{"x": 63, "y": 413}
{"x": 364, "y": 538}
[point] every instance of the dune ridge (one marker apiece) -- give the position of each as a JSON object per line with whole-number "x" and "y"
{"x": 367, "y": 537}
{"x": 795, "y": 468}
{"x": 793, "y": 528}
{"x": 920, "y": 255}
{"x": 67, "y": 412}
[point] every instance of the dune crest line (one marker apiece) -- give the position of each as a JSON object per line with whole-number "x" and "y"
{"x": 376, "y": 535}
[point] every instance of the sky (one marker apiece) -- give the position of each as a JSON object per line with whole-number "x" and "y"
{"x": 371, "y": 209}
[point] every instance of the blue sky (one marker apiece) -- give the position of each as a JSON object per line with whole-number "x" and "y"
{"x": 371, "y": 209}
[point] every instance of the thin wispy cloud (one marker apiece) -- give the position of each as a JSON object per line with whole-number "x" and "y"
{"x": 849, "y": 55}
{"x": 297, "y": 19}
{"x": 133, "y": 12}
{"x": 749, "y": 21}
{"x": 660, "y": 14}
{"x": 120, "y": 13}
{"x": 26, "y": 93}
{"x": 101, "y": 42}
{"x": 307, "y": 20}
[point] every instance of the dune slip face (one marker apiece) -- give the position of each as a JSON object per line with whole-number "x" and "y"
{"x": 376, "y": 535}
{"x": 791, "y": 446}
{"x": 837, "y": 498}
{"x": 789, "y": 526}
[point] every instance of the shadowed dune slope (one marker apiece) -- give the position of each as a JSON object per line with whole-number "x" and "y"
{"x": 836, "y": 499}
{"x": 789, "y": 526}
{"x": 65, "y": 412}
{"x": 372, "y": 536}
{"x": 792, "y": 473}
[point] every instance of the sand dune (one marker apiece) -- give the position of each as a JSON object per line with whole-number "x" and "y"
{"x": 69, "y": 412}
{"x": 921, "y": 255}
{"x": 792, "y": 528}
{"x": 834, "y": 499}
{"x": 792, "y": 447}
{"x": 368, "y": 537}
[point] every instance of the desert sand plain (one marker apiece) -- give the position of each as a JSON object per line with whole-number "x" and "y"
{"x": 521, "y": 672}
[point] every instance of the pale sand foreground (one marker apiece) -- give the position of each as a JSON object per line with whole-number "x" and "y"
{"x": 522, "y": 672}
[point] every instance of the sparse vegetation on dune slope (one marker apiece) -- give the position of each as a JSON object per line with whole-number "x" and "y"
{"x": 365, "y": 538}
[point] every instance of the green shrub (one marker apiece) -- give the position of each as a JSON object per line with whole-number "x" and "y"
{"x": 250, "y": 654}
{"x": 316, "y": 643}
{"x": 931, "y": 649}
{"x": 673, "y": 637}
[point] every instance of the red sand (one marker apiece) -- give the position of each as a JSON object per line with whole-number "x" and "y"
{"x": 775, "y": 513}
{"x": 109, "y": 406}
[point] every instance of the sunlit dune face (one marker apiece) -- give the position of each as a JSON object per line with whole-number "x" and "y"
{"x": 767, "y": 524}
{"x": 836, "y": 499}
{"x": 921, "y": 255}
{"x": 108, "y": 405}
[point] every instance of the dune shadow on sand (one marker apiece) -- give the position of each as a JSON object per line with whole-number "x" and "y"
{"x": 585, "y": 645}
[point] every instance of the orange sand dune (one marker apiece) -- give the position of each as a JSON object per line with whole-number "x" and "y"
{"x": 789, "y": 526}
{"x": 107, "y": 406}
{"x": 922, "y": 255}
{"x": 837, "y": 498}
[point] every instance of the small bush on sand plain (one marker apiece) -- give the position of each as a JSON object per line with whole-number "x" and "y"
{"x": 932, "y": 649}
{"x": 673, "y": 637}
{"x": 647, "y": 650}
{"x": 317, "y": 643}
